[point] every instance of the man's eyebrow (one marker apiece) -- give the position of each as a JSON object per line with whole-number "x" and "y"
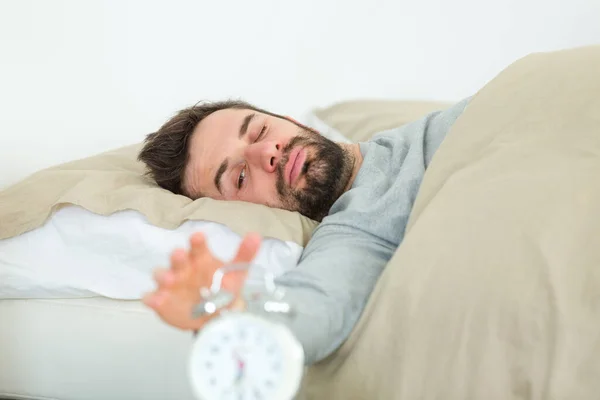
{"x": 245, "y": 124}
{"x": 223, "y": 167}
{"x": 220, "y": 173}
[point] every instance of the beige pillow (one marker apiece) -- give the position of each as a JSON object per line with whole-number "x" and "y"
{"x": 358, "y": 120}
{"x": 495, "y": 291}
{"x": 114, "y": 181}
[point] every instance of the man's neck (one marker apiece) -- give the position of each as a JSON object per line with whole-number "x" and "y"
{"x": 353, "y": 150}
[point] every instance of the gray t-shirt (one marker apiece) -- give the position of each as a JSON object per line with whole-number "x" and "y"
{"x": 348, "y": 251}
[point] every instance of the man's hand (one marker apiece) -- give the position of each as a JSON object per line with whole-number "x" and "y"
{"x": 179, "y": 287}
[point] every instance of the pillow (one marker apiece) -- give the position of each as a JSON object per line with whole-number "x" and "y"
{"x": 494, "y": 292}
{"x": 114, "y": 181}
{"x": 81, "y": 254}
{"x": 359, "y": 120}
{"x": 313, "y": 121}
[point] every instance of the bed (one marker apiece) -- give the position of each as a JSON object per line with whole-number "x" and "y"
{"x": 493, "y": 294}
{"x": 73, "y": 325}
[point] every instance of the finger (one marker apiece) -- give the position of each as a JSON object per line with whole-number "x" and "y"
{"x": 234, "y": 281}
{"x": 179, "y": 260}
{"x": 164, "y": 277}
{"x": 198, "y": 247}
{"x": 248, "y": 249}
{"x": 147, "y": 299}
{"x": 155, "y": 299}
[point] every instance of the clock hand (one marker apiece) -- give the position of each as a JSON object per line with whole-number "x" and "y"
{"x": 240, "y": 368}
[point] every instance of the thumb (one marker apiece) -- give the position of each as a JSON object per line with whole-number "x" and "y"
{"x": 234, "y": 281}
{"x": 248, "y": 249}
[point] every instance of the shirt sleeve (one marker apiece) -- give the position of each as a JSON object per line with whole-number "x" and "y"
{"x": 331, "y": 285}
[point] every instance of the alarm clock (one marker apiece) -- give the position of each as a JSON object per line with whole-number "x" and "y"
{"x": 240, "y": 355}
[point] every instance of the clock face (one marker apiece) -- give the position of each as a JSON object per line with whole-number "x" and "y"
{"x": 243, "y": 357}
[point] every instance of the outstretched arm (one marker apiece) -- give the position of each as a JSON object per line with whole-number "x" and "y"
{"x": 328, "y": 289}
{"x": 331, "y": 286}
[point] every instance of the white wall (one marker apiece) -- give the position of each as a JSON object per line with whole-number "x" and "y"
{"x": 79, "y": 77}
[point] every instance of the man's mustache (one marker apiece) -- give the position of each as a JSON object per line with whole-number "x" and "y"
{"x": 298, "y": 140}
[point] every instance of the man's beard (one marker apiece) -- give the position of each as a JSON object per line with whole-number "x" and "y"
{"x": 327, "y": 170}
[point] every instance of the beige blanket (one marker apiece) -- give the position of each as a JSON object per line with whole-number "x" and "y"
{"x": 495, "y": 292}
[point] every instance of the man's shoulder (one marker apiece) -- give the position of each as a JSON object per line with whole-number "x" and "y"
{"x": 393, "y": 160}
{"x": 446, "y": 116}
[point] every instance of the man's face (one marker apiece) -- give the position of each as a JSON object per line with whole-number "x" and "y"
{"x": 249, "y": 156}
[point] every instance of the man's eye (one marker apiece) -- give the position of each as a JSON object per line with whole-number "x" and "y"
{"x": 262, "y": 132}
{"x": 242, "y": 178}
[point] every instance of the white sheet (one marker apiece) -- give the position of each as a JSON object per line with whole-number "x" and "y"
{"x": 90, "y": 349}
{"x": 80, "y": 254}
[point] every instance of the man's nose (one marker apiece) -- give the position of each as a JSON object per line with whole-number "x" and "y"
{"x": 264, "y": 154}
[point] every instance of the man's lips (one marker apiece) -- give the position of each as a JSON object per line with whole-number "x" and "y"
{"x": 293, "y": 168}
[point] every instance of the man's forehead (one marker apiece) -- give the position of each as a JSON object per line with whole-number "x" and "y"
{"x": 212, "y": 141}
{"x": 215, "y": 135}
{"x": 221, "y": 120}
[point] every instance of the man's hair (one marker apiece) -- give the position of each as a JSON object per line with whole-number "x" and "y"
{"x": 166, "y": 151}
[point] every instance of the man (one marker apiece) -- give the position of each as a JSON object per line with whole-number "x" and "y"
{"x": 363, "y": 194}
